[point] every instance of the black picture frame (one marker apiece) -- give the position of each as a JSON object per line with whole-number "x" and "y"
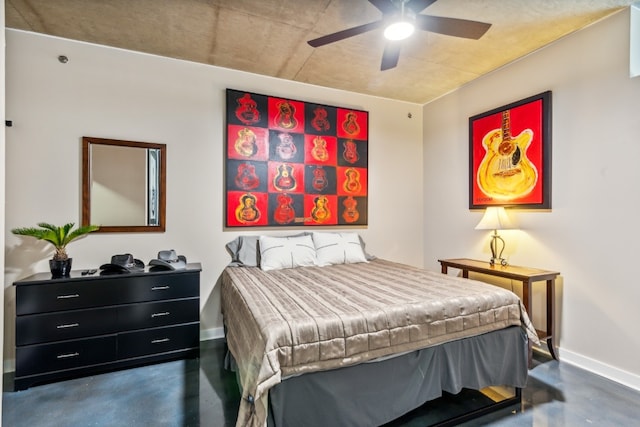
{"x": 513, "y": 171}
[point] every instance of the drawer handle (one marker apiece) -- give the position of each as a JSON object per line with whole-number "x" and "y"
{"x": 68, "y": 325}
{"x": 160, "y": 288}
{"x": 68, "y": 296}
{"x": 67, "y": 355}
{"x": 160, "y": 341}
{"x": 164, "y": 313}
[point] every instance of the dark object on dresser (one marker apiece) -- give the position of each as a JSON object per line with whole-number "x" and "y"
{"x": 123, "y": 263}
{"x": 60, "y": 268}
{"x": 168, "y": 260}
{"x": 81, "y": 325}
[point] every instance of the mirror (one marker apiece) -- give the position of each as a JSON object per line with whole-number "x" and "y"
{"x": 123, "y": 185}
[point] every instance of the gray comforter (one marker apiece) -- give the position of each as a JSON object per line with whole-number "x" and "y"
{"x": 288, "y": 322}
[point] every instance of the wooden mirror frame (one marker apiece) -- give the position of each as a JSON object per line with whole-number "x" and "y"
{"x": 86, "y": 186}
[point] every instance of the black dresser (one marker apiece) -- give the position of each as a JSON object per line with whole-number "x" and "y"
{"x": 82, "y": 325}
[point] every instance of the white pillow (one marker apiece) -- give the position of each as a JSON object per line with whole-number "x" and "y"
{"x": 286, "y": 252}
{"x": 338, "y": 248}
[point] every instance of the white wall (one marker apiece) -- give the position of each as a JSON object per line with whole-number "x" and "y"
{"x": 2, "y": 179}
{"x": 111, "y": 93}
{"x": 592, "y": 234}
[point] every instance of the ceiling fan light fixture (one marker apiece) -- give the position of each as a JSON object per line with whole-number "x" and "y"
{"x": 399, "y": 30}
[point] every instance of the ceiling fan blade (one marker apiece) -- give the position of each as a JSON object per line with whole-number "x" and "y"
{"x": 341, "y": 35}
{"x": 452, "y": 26}
{"x": 385, "y": 6}
{"x": 390, "y": 55}
{"x": 418, "y": 6}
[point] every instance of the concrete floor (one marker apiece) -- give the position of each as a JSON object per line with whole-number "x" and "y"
{"x": 199, "y": 392}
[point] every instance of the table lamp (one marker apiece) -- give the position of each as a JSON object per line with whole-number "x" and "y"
{"x": 495, "y": 218}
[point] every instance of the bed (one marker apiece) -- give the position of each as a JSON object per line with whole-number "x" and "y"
{"x": 306, "y": 327}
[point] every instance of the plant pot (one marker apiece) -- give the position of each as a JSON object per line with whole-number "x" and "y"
{"x": 60, "y": 268}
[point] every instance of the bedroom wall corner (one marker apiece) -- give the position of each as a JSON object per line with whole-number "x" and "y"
{"x": 2, "y": 178}
{"x": 591, "y": 234}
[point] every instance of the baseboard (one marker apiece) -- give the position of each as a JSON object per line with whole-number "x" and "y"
{"x": 614, "y": 374}
{"x": 211, "y": 334}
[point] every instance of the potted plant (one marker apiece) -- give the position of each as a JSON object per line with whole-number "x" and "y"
{"x": 59, "y": 237}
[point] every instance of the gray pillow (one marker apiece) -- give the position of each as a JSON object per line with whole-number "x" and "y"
{"x": 368, "y": 256}
{"x": 244, "y": 251}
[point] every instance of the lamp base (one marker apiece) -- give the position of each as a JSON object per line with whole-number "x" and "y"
{"x": 503, "y": 262}
{"x": 496, "y": 256}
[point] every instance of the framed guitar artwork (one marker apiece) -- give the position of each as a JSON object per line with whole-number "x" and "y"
{"x": 293, "y": 163}
{"x": 510, "y": 155}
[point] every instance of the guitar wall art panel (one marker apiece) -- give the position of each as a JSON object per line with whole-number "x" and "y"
{"x": 510, "y": 155}
{"x": 294, "y": 163}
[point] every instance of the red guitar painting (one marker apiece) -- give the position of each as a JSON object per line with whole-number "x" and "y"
{"x": 505, "y": 172}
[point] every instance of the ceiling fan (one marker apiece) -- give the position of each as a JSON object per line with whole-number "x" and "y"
{"x": 406, "y": 15}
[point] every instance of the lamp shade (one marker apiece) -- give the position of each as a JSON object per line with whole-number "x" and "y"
{"x": 495, "y": 218}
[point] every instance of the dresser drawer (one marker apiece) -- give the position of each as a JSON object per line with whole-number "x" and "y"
{"x": 65, "y": 325}
{"x": 158, "y": 340}
{"x": 156, "y": 314}
{"x": 35, "y": 359}
{"x": 162, "y": 286}
{"x": 67, "y": 296}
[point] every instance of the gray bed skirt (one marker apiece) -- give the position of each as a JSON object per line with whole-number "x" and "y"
{"x": 374, "y": 393}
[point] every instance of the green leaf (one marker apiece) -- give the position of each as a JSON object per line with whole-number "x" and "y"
{"x": 58, "y": 236}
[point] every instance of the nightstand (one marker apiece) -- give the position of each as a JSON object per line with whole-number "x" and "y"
{"x": 526, "y": 275}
